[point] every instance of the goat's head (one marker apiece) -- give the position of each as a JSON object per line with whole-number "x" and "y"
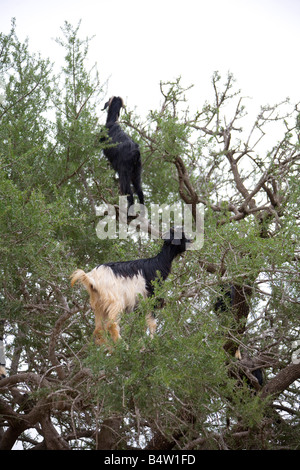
{"x": 176, "y": 237}
{"x": 114, "y": 101}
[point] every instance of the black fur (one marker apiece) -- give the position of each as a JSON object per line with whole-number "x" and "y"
{"x": 258, "y": 375}
{"x": 225, "y": 302}
{"x": 124, "y": 156}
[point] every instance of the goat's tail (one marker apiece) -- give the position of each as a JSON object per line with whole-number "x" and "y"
{"x": 80, "y": 276}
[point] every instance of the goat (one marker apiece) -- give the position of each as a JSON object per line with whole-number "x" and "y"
{"x": 115, "y": 287}
{"x": 226, "y": 302}
{"x": 124, "y": 156}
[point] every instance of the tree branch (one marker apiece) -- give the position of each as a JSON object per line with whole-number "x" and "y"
{"x": 281, "y": 381}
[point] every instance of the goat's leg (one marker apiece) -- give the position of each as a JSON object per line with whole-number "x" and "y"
{"x": 151, "y": 322}
{"x": 113, "y": 319}
{"x": 107, "y": 320}
{"x": 101, "y": 329}
{"x": 136, "y": 181}
{"x": 111, "y": 328}
{"x": 114, "y": 331}
{"x": 99, "y": 335}
{"x": 125, "y": 187}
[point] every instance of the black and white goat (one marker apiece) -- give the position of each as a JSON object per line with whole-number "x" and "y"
{"x": 124, "y": 155}
{"x": 115, "y": 287}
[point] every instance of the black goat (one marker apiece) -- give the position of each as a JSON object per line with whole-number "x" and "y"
{"x": 226, "y": 302}
{"x": 124, "y": 155}
{"x": 115, "y": 287}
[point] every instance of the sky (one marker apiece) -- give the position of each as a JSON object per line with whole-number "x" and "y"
{"x": 138, "y": 43}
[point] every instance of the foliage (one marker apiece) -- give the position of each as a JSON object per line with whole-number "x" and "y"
{"x": 183, "y": 389}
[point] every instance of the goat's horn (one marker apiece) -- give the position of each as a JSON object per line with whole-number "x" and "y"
{"x": 108, "y": 103}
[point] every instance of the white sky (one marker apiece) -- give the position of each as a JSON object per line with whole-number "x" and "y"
{"x": 138, "y": 43}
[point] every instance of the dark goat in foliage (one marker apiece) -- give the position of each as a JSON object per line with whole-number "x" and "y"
{"x": 229, "y": 300}
{"x": 115, "y": 287}
{"x": 123, "y": 153}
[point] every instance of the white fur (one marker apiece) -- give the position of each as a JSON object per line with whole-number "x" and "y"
{"x": 123, "y": 290}
{"x": 110, "y": 295}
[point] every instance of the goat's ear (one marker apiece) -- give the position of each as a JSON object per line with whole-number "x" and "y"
{"x": 105, "y": 106}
